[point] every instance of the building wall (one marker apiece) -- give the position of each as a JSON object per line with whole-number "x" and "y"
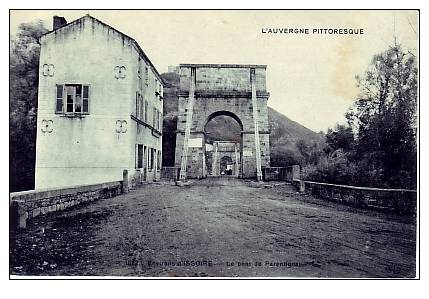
{"x": 92, "y": 148}
{"x": 142, "y": 134}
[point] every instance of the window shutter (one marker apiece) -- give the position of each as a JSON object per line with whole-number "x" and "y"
{"x": 59, "y": 106}
{"x": 85, "y": 98}
{"x": 141, "y": 106}
{"x": 137, "y": 104}
{"x": 136, "y": 156}
{"x": 140, "y": 156}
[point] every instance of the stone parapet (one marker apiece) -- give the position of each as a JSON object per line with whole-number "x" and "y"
{"x": 400, "y": 201}
{"x": 29, "y": 204}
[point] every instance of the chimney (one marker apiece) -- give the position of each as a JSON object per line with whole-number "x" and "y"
{"x": 59, "y": 22}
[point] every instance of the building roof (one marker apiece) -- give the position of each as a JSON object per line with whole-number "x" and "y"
{"x": 133, "y": 41}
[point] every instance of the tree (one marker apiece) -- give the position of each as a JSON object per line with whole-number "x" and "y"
{"x": 310, "y": 151}
{"x": 378, "y": 147}
{"x": 341, "y": 137}
{"x": 385, "y": 118}
{"x": 24, "y": 66}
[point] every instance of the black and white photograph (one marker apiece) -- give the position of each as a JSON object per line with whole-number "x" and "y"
{"x": 214, "y": 144}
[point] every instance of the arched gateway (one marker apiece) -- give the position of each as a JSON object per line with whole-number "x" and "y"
{"x": 210, "y": 90}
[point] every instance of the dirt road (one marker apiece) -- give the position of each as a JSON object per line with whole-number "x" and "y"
{"x": 215, "y": 228}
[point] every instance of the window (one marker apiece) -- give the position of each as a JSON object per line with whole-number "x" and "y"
{"x": 72, "y": 98}
{"x": 158, "y": 163}
{"x": 154, "y": 118}
{"x": 156, "y": 88}
{"x": 146, "y": 104}
{"x": 60, "y": 105}
{"x": 152, "y": 158}
{"x": 149, "y": 161}
{"x": 146, "y": 76}
{"x": 159, "y": 121}
{"x": 139, "y": 156}
{"x": 139, "y": 105}
{"x": 139, "y": 74}
{"x": 145, "y": 156}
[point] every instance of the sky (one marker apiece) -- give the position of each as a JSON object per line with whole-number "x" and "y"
{"x": 311, "y": 77}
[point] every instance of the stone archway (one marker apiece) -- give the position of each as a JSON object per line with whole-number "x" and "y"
{"x": 207, "y": 91}
{"x": 215, "y": 148}
{"x": 224, "y": 155}
{"x": 224, "y": 113}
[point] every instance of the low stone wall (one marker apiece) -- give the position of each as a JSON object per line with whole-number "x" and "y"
{"x": 400, "y": 201}
{"x": 171, "y": 173}
{"x": 29, "y": 204}
{"x": 287, "y": 174}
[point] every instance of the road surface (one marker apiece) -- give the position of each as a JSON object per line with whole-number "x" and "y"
{"x": 215, "y": 228}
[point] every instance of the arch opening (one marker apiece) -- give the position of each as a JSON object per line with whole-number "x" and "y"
{"x": 226, "y": 165}
{"x": 223, "y": 114}
{"x": 223, "y": 144}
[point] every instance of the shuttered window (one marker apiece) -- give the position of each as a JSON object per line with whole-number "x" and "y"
{"x": 85, "y": 99}
{"x": 72, "y": 98}
{"x": 140, "y": 156}
{"x": 59, "y": 108}
{"x": 146, "y": 104}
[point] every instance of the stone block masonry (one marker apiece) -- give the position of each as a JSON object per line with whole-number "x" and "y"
{"x": 237, "y": 91}
{"x": 29, "y": 204}
{"x": 399, "y": 201}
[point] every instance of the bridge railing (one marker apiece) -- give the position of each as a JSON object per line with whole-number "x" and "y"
{"x": 401, "y": 201}
{"x": 29, "y": 204}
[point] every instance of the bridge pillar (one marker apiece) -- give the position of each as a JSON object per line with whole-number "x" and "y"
{"x": 22, "y": 216}
{"x": 125, "y": 181}
{"x": 301, "y": 186}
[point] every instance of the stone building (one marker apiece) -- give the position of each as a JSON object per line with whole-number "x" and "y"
{"x": 100, "y": 107}
{"x": 210, "y": 90}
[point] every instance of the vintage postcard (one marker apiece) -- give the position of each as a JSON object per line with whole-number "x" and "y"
{"x": 214, "y": 144}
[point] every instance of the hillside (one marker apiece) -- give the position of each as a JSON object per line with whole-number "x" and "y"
{"x": 284, "y": 136}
